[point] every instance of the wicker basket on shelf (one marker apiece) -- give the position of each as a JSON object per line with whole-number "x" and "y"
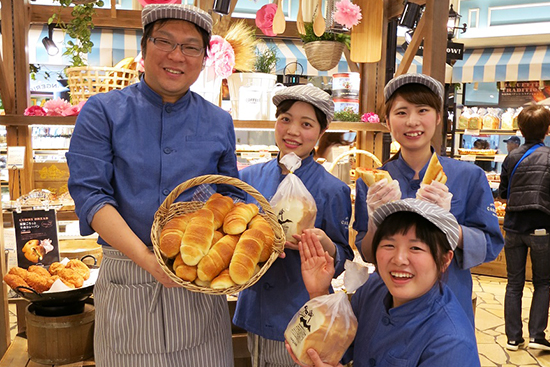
{"x": 324, "y": 55}
{"x": 170, "y": 209}
{"x": 85, "y": 81}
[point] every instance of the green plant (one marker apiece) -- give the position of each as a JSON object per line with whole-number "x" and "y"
{"x": 79, "y": 27}
{"x": 266, "y": 60}
{"x": 327, "y": 36}
{"x": 346, "y": 115}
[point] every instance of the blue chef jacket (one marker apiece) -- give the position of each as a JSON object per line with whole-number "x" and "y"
{"x": 266, "y": 308}
{"x": 130, "y": 150}
{"x": 430, "y": 331}
{"x": 473, "y": 207}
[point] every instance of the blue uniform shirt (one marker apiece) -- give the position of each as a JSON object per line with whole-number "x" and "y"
{"x": 266, "y": 308}
{"x": 473, "y": 207}
{"x": 430, "y": 331}
{"x": 130, "y": 150}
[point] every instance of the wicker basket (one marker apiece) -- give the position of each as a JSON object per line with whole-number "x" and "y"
{"x": 169, "y": 210}
{"x": 324, "y": 55}
{"x": 86, "y": 81}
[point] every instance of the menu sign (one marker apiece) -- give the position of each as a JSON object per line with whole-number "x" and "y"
{"x": 36, "y": 237}
{"x": 516, "y": 94}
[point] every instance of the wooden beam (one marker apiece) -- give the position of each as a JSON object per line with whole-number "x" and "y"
{"x": 6, "y": 92}
{"x": 5, "y": 333}
{"x": 418, "y": 35}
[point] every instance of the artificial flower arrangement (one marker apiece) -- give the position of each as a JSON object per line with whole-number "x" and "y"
{"x": 347, "y": 14}
{"x": 54, "y": 107}
{"x": 370, "y": 117}
{"x": 264, "y": 19}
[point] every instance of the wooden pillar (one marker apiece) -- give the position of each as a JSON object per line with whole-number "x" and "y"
{"x": 5, "y": 337}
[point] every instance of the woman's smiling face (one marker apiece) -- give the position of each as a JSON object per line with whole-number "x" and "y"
{"x": 297, "y": 130}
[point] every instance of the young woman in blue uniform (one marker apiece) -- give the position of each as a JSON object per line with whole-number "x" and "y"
{"x": 406, "y": 315}
{"x": 264, "y": 310}
{"x": 413, "y": 105}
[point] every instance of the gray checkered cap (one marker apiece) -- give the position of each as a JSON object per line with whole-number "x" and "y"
{"x": 190, "y": 13}
{"x": 401, "y": 80}
{"x": 309, "y": 94}
{"x": 442, "y": 219}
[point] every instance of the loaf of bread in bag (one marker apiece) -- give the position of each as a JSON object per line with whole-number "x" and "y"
{"x": 219, "y": 205}
{"x": 259, "y": 222}
{"x": 237, "y": 219}
{"x": 197, "y": 239}
{"x": 246, "y": 256}
{"x": 218, "y": 258}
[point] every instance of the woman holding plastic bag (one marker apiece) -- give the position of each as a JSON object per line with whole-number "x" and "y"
{"x": 406, "y": 315}
{"x": 305, "y": 197}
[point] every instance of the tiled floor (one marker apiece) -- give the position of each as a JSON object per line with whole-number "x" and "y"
{"x": 489, "y": 326}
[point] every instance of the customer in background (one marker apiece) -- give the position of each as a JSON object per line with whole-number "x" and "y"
{"x": 413, "y": 105}
{"x": 512, "y": 143}
{"x": 483, "y": 163}
{"x": 525, "y": 183}
{"x": 129, "y": 150}
{"x": 265, "y": 309}
{"x": 406, "y": 314}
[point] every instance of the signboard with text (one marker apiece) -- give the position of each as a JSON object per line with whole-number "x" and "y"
{"x": 516, "y": 94}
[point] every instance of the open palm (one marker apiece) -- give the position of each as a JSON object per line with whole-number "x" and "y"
{"x": 317, "y": 265}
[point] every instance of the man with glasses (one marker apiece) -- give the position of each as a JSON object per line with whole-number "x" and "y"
{"x": 129, "y": 150}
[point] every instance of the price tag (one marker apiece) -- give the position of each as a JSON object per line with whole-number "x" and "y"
{"x": 499, "y": 158}
{"x": 471, "y": 132}
{"x": 16, "y": 158}
{"x": 36, "y": 237}
{"x": 468, "y": 157}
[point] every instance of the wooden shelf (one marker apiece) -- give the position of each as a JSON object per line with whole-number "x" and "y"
{"x": 19, "y": 120}
{"x": 489, "y": 132}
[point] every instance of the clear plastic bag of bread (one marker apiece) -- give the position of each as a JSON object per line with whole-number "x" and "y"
{"x": 293, "y": 203}
{"x": 327, "y": 323}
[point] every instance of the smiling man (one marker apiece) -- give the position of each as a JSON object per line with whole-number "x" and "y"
{"x": 129, "y": 150}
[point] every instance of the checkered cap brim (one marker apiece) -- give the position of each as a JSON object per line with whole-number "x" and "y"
{"x": 441, "y": 218}
{"x": 401, "y": 80}
{"x": 309, "y": 94}
{"x": 190, "y": 13}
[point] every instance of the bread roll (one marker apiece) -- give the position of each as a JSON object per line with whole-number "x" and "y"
{"x": 434, "y": 172}
{"x": 237, "y": 219}
{"x": 184, "y": 271}
{"x": 218, "y": 258}
{"x": 39, "y": 270}
{"x": 259, "y": 222}
{"x": 222, "y": 281}
{"x": 371, "y": 175}
{"x": 70, "y": 276}
{"x": 217, "y": 236}
{"x": 201, "y": 283}
{"x": 219, "y": 205}
{"x": 246, "y": 256}
{"x": 197, "y": 239}
{"x": 14, "y": 281}
{"x": 171, "y": 234}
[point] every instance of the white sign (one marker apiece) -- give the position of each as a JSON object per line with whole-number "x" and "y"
{"x": 16, "y": 158}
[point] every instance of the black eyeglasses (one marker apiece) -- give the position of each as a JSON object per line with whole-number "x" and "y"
{"x": 168, "y": 46}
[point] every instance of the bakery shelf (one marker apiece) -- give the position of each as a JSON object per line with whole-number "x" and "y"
{"x": 488, "y": 132}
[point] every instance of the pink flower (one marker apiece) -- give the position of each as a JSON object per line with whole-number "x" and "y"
{"x": 347, "y": 14}
{"x": 221, "y": 56}
{"x": 34, "y": 111}
{"x": 55, "y": 107}
{"x": 73, "y": 110}
{"x": 140, "y": 63}
{"x": 264, "y": 19}
{"x": 370, "y": 117}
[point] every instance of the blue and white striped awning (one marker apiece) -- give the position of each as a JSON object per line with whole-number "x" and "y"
{"x": 416, "y": 65}
{"x": 110, "y": 46}
{"x": 503, "y": 64}
{"x": 289, "y": 51}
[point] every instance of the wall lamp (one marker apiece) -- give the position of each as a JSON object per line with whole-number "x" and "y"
{"x": 49, "y": 44}
{"x": 453, "y": 24}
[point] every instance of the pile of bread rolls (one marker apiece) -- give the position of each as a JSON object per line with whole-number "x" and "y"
{"x": 73, "y": 275}
{"x": 219, "y": 245}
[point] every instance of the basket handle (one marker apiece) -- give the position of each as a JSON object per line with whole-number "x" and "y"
{"x": 214, "y": 179}
{"x": 354, "y": 151}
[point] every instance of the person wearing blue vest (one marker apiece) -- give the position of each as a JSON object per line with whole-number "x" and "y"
{"x": 406, "y": 315}
{"x": 264, "y": 310}
{"x": 525, "y": 184}
{"x": 412, "y": 110}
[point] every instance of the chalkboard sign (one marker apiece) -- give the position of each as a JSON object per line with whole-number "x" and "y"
{"x": 36, "y": 237}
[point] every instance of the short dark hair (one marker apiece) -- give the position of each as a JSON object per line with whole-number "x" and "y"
{"x": 148, "y": 31}
{"x": 286, "y": 105}
{"x": 533, "y": 122}
{"x": 417, "y": 94}
{"x": 426, "y": 231}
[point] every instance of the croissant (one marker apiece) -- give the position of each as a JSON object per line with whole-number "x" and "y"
{"x": 218, "y": 258}
{"x": 246, "y": 256}
{"x": 219, "y": 205}
{"x": 184, "y": 271}
{"x": 222, "y": 281}
{"x": 259, "y": 222}
{"x": 197, "y": 239}
{"x": 237, "y": 219}
{"x": 171, "y": 234}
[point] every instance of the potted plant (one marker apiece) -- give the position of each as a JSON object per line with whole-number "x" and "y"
{"x": 324, "y": 53}
{"x": 266, "y": 60}
{"x": 79, "y": 27}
